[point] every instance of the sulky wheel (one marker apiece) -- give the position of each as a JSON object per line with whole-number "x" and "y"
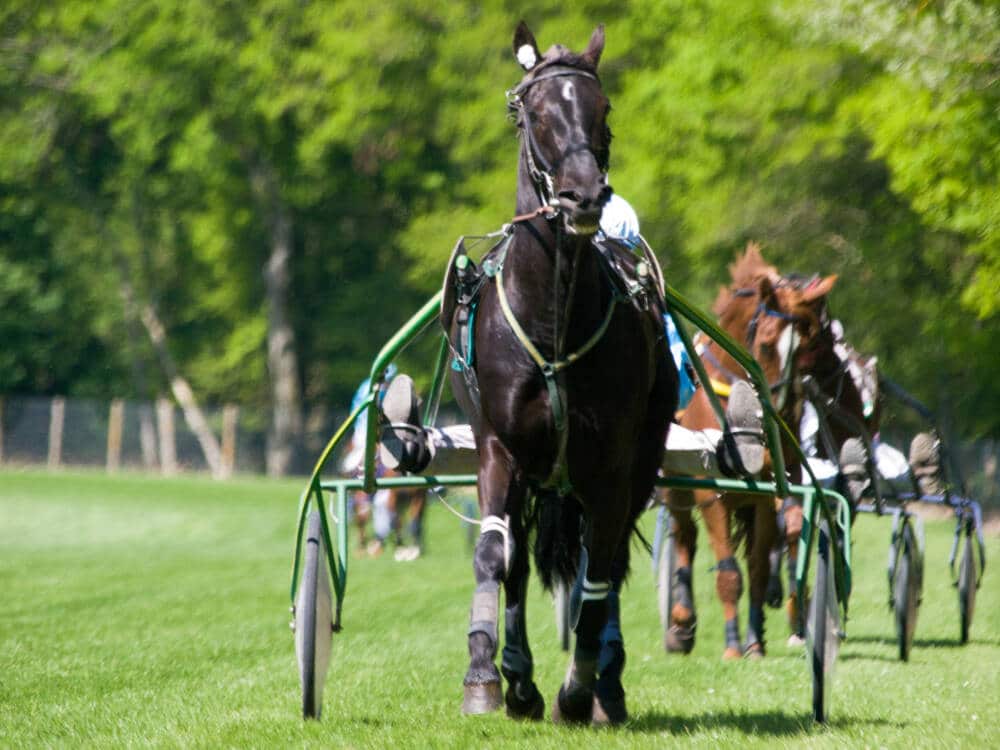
{"x": 313, "y": 620}
{"x": 906, "y": 591}
{"x": 967, "y": 587}
{"x": 666, "y": 567}
{"x": 823, "y": 625}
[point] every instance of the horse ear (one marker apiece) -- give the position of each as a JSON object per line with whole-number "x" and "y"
{"x": 525, "y": 47}
{"x": 819, "y": 288}
{"x": 596, "y": 46}
{"x": 765, "y": 288}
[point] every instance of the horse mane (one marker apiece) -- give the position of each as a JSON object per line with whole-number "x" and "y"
{"x": 746, "y": 271}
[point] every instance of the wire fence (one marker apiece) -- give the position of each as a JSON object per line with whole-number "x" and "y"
{"x": 144, "y": 436}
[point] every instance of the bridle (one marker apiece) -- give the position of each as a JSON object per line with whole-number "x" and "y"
{"x": 539, "y": 168}
{"x": 788, "y": 344}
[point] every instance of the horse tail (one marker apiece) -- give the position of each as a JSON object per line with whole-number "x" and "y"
{"x": 557, "y": 521}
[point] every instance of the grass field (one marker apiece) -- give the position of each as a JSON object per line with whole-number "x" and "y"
{"x": 148, "y": 612}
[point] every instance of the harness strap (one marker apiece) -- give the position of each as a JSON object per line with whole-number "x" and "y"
{"x": 559, "y": 478}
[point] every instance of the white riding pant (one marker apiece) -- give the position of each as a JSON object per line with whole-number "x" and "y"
{"x": 688, "y": 452}
{"x": 892, "y": 466}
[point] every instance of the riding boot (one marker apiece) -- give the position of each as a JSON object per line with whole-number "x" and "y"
{"x": 403, "y": 445}
{"x": 854, "y": 467}
{"x": 925, "y": 459}
{"x": 741, "y": 448}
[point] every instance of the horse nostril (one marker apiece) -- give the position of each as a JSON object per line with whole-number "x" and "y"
{"x": 605, "y": 196}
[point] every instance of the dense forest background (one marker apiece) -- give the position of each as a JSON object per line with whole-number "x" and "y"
{"x": 240, "y": 201}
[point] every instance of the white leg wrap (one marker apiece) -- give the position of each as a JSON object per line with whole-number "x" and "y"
{"x": 594, "y": 591}
{"x": 501, "y": 525}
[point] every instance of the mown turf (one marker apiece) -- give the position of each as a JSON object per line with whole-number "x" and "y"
{"x": 148, "y": 612}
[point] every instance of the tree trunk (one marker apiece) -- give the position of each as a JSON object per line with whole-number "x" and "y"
{"x": 285, "y": 437}
{"x": 182, "y": 392}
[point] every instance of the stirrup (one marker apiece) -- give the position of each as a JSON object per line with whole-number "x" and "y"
{"x": 403, "y": 442}
{"x": 854, "y": 467}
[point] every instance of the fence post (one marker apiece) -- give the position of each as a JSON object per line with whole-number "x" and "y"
{"x": 57, "y": 418}
{"x": 115, "y": 418}
{"x": 230, "y": 420}
{"x": 165, "y": 426}
{"x": 147, "y": 436}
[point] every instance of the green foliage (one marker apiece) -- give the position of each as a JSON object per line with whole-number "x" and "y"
{"x": 149, "y": 143}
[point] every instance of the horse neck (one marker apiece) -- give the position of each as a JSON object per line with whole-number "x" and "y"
{"x": 735, "y": 322}
{"x": 573, "y": 251}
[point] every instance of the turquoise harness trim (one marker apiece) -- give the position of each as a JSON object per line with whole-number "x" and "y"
{"x": 468, "y": 356}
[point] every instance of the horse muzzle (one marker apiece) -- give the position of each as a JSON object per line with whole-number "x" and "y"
{"x": 583, "y": 213}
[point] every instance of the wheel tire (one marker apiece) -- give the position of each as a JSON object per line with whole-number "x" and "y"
{"x": 313, "y": 620}
{"x": 823, "y": 625}
{"x": 906, "y": 592}
{"x": 666, "y": 567}
{"x": 967, "y": 588}
{"x": 560, "y": 598}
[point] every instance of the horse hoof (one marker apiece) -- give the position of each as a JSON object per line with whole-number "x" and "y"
{"x": 731, "y": 653}
{"x": 576, "y": 708}
{"x": 608, "y": 713}
{"x": 482, "y": 699}
{"x": 532, "y": 708}
{"x": 679, "y": 639}
{"x": 796, "y": 641}
{"x": 754, "y": 651}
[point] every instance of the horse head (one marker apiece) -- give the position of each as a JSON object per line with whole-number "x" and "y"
{"x": 561, "y": 112}
{"x": 780, "y": 319}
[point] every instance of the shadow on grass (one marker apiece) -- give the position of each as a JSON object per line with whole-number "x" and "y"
{"x": 767, "y": 723}
{"x": 888, "y": 640}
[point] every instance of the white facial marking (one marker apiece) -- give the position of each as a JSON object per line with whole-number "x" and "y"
{"x": 787, "y": 343}
{"x": 567, "y": 91}
{"x": 526, "y": 56}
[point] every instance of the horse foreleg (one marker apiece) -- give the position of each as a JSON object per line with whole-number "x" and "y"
{"x": 482, "y": 692}
{"x": 793, "y": 530}
{"x": 680, "y": 635}
{"x": 609, "y": 707}
{"x": 575, "y": 701}
{"x": 522, "y": 697}
{"x": 728, "y": 579}
{"x": 759, "y": 549}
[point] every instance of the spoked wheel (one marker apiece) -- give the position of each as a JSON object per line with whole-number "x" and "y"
{"x": 560, "y": 599}
{"x": 823, "y": 630}
{"x": 666, "y": 567}
{"x": 906, "y": 590}
{"x": 313, "y": 620}
{"x": 967, "y": 587}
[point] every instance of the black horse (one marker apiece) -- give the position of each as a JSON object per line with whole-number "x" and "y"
{"x": 576, "y": 390}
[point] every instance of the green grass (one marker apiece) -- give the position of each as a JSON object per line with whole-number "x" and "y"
{"x": 148, "y": 612}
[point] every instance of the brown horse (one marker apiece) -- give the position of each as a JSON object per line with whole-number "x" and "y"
{"x": 831, "y": 370}
{"x": 778, "y": 320}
